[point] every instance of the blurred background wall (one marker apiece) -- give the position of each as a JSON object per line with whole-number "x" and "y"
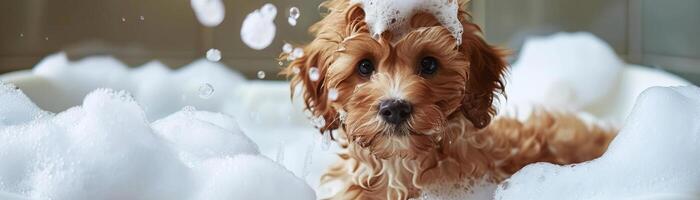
{"x": 656, "y": 33}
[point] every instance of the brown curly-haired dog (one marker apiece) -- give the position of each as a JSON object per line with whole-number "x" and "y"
{"x": 418, "y": 111}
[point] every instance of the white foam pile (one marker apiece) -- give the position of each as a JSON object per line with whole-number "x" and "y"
{"x": 210, "y": 13}
{"x": 395, "y": 15}
{"x": 258, "y": 28}
{"x": 564, "y": 70}
{"x": 655, "y": 156}
{"x": 262, "y": 108}
{"x": 106, "y": 149}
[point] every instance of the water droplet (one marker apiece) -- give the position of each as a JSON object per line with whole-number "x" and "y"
{"x": 314, "y": 74}
{"x": 296, "y": 70}
{"x": 213, "y": 55}
{"x": 326, "y": 142}
{"x": 292, "y": 21}
{"x": 294, "y": 13}
{"x": 142, "y": 18}
{"x": 123, "y": 19}
{"x": 206, "y": 91}
{"x": 333, "y": 94}
{"x": 261, "y": 74}
{"x": 287, "y": 48}
{"x": 298, "y": 53}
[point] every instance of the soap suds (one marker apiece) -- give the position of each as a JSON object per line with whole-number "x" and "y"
{"x": 395, "y": 15}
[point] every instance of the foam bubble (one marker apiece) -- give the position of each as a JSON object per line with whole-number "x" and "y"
{"x": 210, "y": 13}
{"x": 213, "y": 55}
{"x": 106, "y": 149}
{"x": 314, "y": 74}
{"x": 258, "y": 28}
{"x": 261, "y": 74}
{"x": 395, "y": 15}
{"x": 650, "y": 156}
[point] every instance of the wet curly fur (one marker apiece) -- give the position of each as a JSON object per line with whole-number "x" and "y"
{"x": 449, "y": 136}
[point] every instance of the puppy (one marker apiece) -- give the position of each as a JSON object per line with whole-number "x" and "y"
{"x": 419, "y": 111}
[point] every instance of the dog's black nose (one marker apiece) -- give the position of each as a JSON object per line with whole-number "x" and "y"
{"x": 394, "y": 111}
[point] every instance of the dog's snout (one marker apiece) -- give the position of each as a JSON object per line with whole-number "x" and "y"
{"x": 395, "y": 111}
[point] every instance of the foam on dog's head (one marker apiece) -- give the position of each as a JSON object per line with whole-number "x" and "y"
{"x": 395, "y": 15}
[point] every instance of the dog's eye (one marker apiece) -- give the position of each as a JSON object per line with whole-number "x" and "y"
{"x": 365, "y": 67}
{"x": 428, "y": 65}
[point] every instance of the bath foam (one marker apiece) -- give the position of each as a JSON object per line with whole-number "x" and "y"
{"x": 106, "y": 149}
{"x": 564, "y": 70}
{"x": 395, "y": 15}
{"x": 655, "y": 156}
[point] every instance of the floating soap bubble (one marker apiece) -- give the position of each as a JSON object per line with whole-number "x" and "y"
{"x": 314, "y": 74}
{"x": 21, "y": 35}
{"x": 297, "y": 53}
{"x": 293, "y": 16}
{"x": 294, "y": 13}
{"x": 280, "y": 63}
{"x": 287, "y": 48}
{"x": 206, "y": 91}
{"x": 296, "y": 70}
{"x": 333, "y": 94}
{"x": 261, "y": 74}
{"x": 210, "y": 13}
{"x": 142, "y": 18}
{"x": 292, "y": 21}
{"x": 326, "y": 140}
{"x": 123, "y": 19}
{"x": 213, "y": 55}
{"x": 46, "y": 38}
{"x": 258, "y": 28}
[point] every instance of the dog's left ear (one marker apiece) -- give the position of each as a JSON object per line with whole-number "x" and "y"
{"x": 485, "y": 72}
{"x": 309, "y": 72}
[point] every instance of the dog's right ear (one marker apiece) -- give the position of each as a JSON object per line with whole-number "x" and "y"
{"x": 309, "y": 71}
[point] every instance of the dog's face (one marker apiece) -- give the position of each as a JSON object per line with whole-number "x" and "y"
{"x": 396, "y": 99}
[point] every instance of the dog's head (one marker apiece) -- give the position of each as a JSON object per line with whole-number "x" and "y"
{"x": 396, "y": 98}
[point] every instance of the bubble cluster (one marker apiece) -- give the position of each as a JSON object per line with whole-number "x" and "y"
{"x": 258, "y": 28}
{"x": 295, "y": 53}
{"x": 395, "y": 15}
{"x": 293, "y": 16}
